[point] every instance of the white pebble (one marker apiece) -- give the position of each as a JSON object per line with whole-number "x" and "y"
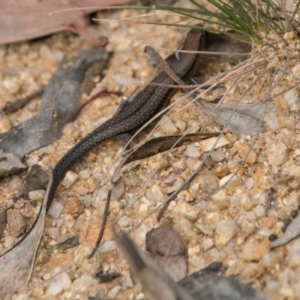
{"x": 206, "y": 145}
{"x": 12, "y": 86}
{"x": 124, "y": 221}
{"x": 36, "y": 195}
{"x": 53, "y": 232}
{"x": 225, "y": 179}
{"x": 217, "y": 155}
{"x": 46, "y": 54}
{"x": 59, "y": 283}
{"x": 55, "y": 209}
{"x": 108, "y": 246}
{"x": 69, "y": 179}
{"x": 82, "y": 284}
{"x": 192, "y": 151}
{"x": 277, "y": 153}
{"x": 260, "y": 211}
{"x": 167, "y": 126}
{"x": 154, "y": 193}
{"x": 186, "y": 228}
{"x": 112, "y": 294}
{"x": 225, "y": 231}
{"x": 249, "y": 183}
{"x": 204, "y": 229}
{"x": 9, "y": 241}
{"x": 293, "y": 100}
{"x": 84, "y": 174}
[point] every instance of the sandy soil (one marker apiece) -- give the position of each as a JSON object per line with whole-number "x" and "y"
{"x": 231, "y": 225}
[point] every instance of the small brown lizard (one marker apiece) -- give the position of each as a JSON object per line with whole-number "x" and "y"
{"x": 132, "y": 114}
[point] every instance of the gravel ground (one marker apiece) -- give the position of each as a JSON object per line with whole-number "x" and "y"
{"x": 231, "y": 225}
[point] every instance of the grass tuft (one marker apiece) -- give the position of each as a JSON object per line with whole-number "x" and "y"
{"x": 241, "y": 19}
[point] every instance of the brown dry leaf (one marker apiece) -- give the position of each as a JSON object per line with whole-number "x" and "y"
{"x": 241, "y": 118}
{"x": 23, "y": 20}
{"x": 18, "y": 261}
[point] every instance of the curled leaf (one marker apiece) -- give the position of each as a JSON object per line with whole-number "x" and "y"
{"x": 18, "y": 261}
{"x": 60, "y": 101}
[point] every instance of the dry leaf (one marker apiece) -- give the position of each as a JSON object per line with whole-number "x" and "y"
{"x": 27, "y": 19}
{"x": 241, "y": 118}
{"x": 60, "y": 102}
{"x": 204, "y": 284}
{"x": 18, "y": 261}
{"x": 165, "y": 143}
{"x": 10, "y": 163}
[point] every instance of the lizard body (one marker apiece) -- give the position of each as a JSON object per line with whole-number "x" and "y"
{"x": 132, "y": 114}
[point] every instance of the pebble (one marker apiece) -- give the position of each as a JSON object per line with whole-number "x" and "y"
{"x": 112, "y": 294}
{"x": 131, "y": 179}
{"x": 208, "y": 181}
{"x": 217, "y": 155}
{"x": 55, "y": 209}
{"x": 181, "y": 125}
{"x": 46, "y": 54}
{"x": 207, "y": 243}
{"x": 185, "y": 229}
{"x": 231, "y": 177}
{"x": 225, "y": 231}
{"x": 208, "y": 144}
{"x": 204, "y": 229}
{"x": 293, "y": 100}
{"x": 108, "y": 246}
{"x": 189, "y": 211}
{"x": 154, "y": 193}
{"x": 9, "y": 241}
{"x": 36, "y": 195}
{"x": 59, "y": 283}
{"x": 192, "y": 151}
{"x": 254, "y": 251}
{"x": 124, "y": 221}
{"x": 244, "y": 150}
{"x": 53, "y": 232}
{"x": 87, "y": 200}
{"x": 167, "y": 126}
{"x": 277, "y": 153}
{"x": 83, "y": 284}
{"x": 15, "y": 183}
{"x": 16, "y": 222}
{"x": 69, "y": 179}
{"x": 12, "y": 86}
{"x": 84, "y": 174}
{"x": 158, "y": 162}
{"x": 74, "y": 206}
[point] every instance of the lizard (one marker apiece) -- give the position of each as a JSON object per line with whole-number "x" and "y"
{"x": 136, "y": 111}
